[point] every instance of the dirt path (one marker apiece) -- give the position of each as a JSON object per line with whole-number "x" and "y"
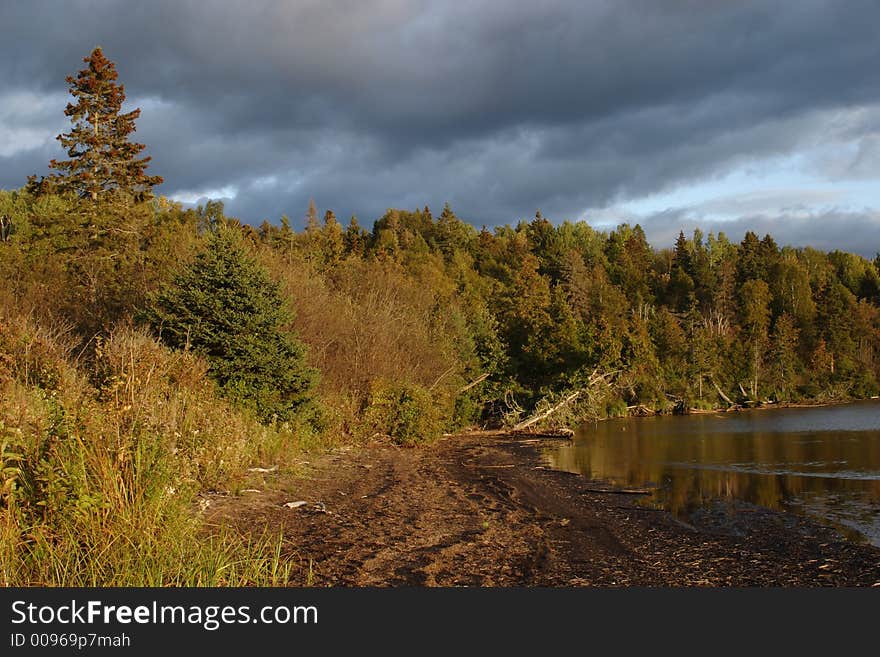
{"x": 480, "y": 510}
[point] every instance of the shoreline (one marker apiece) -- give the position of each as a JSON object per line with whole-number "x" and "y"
{"x": 483, "y": 510}
{"x": 739, "y": 408}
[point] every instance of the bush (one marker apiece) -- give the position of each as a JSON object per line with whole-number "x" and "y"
{"x": 615, "y": 407}
{"x": 864, "y": 385}
{"x": 704, "y": 404}
{"x": 406, "y": 412}
{"x": 148, "y": 390}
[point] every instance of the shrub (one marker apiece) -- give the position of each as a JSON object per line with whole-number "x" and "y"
{"x": 406, "y": 412}
{"x": 705, "y": 404}
{"x": 864, "y": 385}
{"x": 148, "y": 390}
{"x": 615, "y": 407}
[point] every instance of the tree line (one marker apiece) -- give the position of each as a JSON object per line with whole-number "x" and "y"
{"x": 460, "y": 326}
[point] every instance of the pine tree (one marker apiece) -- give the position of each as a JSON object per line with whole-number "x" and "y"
{"x": 312, "y": 217}
{"x": 681, "y": 284}
{"x": 701, "y": 272}
{"x": 332, "y": 239}
{"x": 749, "y": 265}
{"x": 683, "y": 254}
{"x": 225, "y": 307}
{"x": 102, "y": 158}
{"x": 354, "y": 238}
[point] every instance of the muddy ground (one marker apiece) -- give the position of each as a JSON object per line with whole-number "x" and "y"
{"x": 482, "y": 510}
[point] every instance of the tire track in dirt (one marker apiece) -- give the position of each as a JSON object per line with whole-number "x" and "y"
{"x": 479, "y": 510}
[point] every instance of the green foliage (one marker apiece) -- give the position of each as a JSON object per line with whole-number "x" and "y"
{"x": 785, "y": 364}
{"x": 409, "y": 414}
{"x": 418, "y": 326}
{"x": 615, "y": 407}
{"x": 520, "y": 310}
{"x": 225, "y": 307}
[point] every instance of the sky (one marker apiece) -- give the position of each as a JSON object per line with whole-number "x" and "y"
{"x": 728, "y": 116}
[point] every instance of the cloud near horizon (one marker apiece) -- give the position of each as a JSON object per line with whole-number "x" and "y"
{"x": 630, "y": 109}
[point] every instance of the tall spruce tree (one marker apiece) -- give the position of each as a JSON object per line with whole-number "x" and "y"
{"x": 102, "y": 159}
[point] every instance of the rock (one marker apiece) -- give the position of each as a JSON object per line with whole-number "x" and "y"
{"x": 272, "y": 469}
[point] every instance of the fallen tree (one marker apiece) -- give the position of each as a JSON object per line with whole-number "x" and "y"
{"x": 595, "y": 379}
{"x": 721, "y": 393}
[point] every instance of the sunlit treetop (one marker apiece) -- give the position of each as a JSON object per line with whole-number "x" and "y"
{"x": 102, "y": 158}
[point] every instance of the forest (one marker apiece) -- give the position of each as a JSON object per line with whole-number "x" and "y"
{"x": 150, "y": 351}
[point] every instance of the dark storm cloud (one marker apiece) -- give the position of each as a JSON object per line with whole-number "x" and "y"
{"x": 497, "y": 107}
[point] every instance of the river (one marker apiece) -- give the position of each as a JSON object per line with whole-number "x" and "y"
{"x": 822, "y": 462}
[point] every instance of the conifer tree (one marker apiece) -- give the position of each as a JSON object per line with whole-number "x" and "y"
{"x": 312, "y": 217}
{"x": 102, "y": 158}
{"x": 681, "y": 284}
{"x": 225, "y": 307}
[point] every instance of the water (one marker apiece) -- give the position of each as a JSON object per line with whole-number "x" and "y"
{"x": 822, "y": 462}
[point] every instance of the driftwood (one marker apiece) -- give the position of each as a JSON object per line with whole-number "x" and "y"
{"x": 554, "y": 433}
{"x": 621, "y": 491}
{"x": 721, "y": 392}
{"x": 640, "y": 410}
{"x": 680, "y": 407}
{"x": 273, "y": 468}
{"x": 476, "y": 381}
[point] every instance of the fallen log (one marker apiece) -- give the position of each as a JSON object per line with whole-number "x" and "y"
{"x": 565, "y": 433}
{"x": 441, "y": 377}
{"x": 621, "y": 491}
{"x": 592, "y": 381}
{"x": 541, "y": 416}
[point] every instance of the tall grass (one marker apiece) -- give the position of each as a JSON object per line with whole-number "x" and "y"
{"x": 101, "y": 460}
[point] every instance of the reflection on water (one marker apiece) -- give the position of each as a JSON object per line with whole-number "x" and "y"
{"x": 824, "y": 462}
